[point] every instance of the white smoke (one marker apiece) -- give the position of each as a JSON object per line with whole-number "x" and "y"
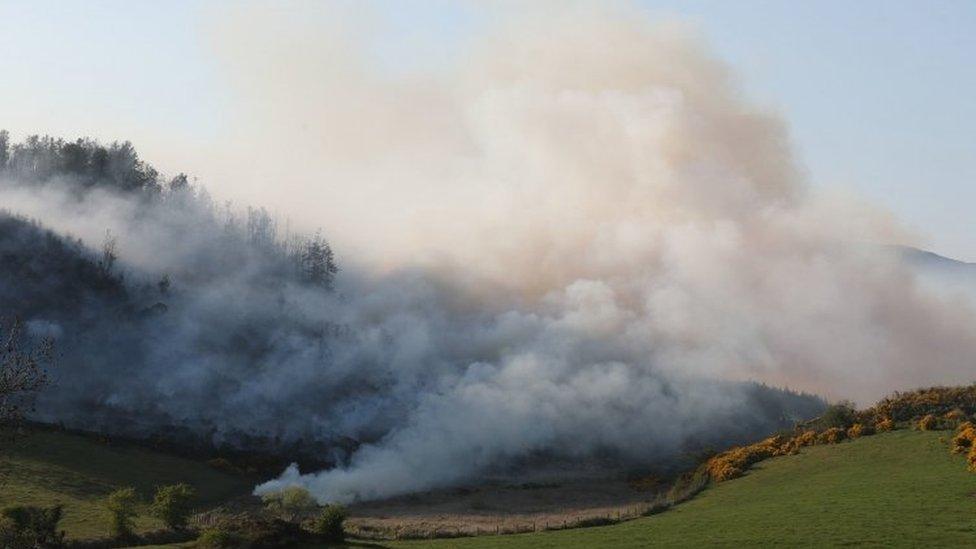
{"x": 642, "y": 218}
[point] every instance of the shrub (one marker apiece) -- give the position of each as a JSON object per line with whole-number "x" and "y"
{"x": 971, "y": 458}
{"x": 733, "y": 463}
{"x": 219, "y": 538}
{"x": 27, "y": 526}
{"x": 292, "y": 504}
{"x": 933, "y": 400}
{"x": 10, "y": 535}
{"x": 807, "y": 438}
{"x": 329, "y": 523}
{"x": 860, "y": 430}
{"x": 885, "y": 424}
{"x": 173, "y": 504}
{"x": 928, "y": 423}
{"x": 955, "y": 415}
{"x": 832, "y": 436}
{"x": 252, "y": 532}
{"x": 122, "y": 505}
{"x": 840, "y": 415}
{"x": 963, "y": 440}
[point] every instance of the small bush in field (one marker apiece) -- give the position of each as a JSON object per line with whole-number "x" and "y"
{"x": 11, "y": 535}
{"x": 28, "y": 527}
{"x": 293, "y": 503}
{"x": 928, "y": 423}
{"x": 963, "y": 441}
{"x": 329, "y": 523}
{"x": 832, "y": 435}
{"x": 885, "y": 424}
{"x": 971, "y": 458}
{"x": 966, "y": 425}
{"x": 173, "y": 504}
{"x": 122, "y": 505}
{"x": 252, "y": 531}
{"x": 219, "y": 538}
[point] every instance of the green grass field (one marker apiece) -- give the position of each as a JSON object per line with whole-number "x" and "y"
{"x": 896, "y": 489}
{"x": 48, "y": 468}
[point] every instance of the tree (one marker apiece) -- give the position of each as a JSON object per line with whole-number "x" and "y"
{"x": 173, "y": 504}
{"x": 25, "y": 526}
{"x": 4, "y": 148}
{"x": 293, "y": 503}
{"x": 122, "y": 505}
{"x": 109, "y": 253}
{"x": 22, "y": 374}
{"x": 318, "y": 262}
{"x": 840, "y": 415}
{"x": 329, "y": 523}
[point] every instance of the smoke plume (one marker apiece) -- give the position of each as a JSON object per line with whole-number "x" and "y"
{"x": 580, "y": 241}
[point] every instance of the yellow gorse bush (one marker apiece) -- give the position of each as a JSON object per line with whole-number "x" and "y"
{"x": 832, "y": 435}
{"x": 931, "y": 400}
{"x": 928, "y": 423}
{"x": 931, "y": 408}
{"x": 859, "y": 430}
{"x": 733, "y": 463}
{"x": 963, "y": 441}
{"x": 807, "y": 438}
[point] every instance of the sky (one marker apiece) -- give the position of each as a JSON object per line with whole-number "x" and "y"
{"x": 877, "y": 94}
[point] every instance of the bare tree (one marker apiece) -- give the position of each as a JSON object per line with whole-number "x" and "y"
{"x": 23, "y": 373}
{"x": 109, "y": 252}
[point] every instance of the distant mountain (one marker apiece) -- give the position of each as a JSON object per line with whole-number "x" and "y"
{"x": 940, "y": 272}
{"x": 927, "y": 259}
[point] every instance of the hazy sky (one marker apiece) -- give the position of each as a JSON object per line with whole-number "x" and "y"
{"x": 878, "y": 94}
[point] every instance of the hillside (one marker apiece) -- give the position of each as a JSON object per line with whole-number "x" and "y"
{"x": 895, "y": 489}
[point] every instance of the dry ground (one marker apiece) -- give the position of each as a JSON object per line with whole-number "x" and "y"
{"x": 502, "y": 507}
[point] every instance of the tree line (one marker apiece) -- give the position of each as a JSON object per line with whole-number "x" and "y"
{"x": 85, "y": 164}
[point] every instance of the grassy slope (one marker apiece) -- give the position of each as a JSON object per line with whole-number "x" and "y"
{"x": 895, "y": 489}
{"x": 49, "y": 468}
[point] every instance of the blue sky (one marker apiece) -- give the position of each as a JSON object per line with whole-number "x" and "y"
{"x": 878, "y": 94}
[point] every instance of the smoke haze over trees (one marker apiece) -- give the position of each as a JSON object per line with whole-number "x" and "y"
{"x": 227, "y": 331}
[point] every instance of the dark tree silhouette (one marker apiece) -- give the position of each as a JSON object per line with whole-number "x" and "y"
{"x": 23, "y": 372}
{"x": 318, "y": 262}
